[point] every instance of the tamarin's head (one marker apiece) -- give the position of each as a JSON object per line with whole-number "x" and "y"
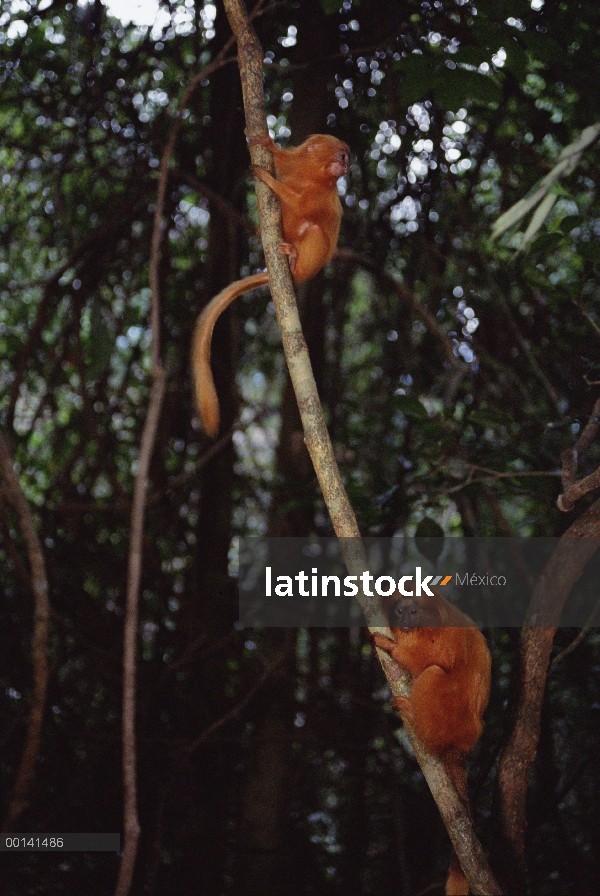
{"x": 328, "y": 156}
{"x": 415, "y": 612}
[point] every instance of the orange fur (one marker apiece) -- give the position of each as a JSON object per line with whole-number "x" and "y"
{"x": 310, "y": 212}
{"x": 450, "y": 664}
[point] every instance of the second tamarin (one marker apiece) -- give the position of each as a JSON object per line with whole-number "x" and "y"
{"x": 450, "y": 664}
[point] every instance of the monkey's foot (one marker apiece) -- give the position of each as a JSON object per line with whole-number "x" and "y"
{"x": 385, "y": 644}
{"x": 258, "y": 171}
{"x": 291, "y": 252}
{"x": 259, "y": 140}
{"x": 404, "y": 707}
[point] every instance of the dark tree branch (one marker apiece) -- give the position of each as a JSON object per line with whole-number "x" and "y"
{"x": 574, "y": 550}
{"x": 248, "y": 697}
{"x": 581, "y": 636}
{"x": 131, "y": 821}
{"x": 226, "y": 208}
{"x": 574, "y": 489}
{"x": 134, "y": 575}
{"x": 406, "y": 296}
{"x": 39, "y": 639}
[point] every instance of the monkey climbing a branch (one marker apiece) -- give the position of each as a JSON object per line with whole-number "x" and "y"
{"x": 449, "y": 661}
{"x": 306, "y": 186}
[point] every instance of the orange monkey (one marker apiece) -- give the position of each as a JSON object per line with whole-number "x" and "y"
{"x": 311, "y": 212}
{"x": 450, "y": 664}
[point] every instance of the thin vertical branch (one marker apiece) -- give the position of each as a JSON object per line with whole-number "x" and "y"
{"x": 250, "y": 60}
{"x": 134, "y": 574}
{"x": 39, "y": 639}
{"x": 130, "y": 812}
{"x": 572, "y": 553}
{"x": 574, "y": 489}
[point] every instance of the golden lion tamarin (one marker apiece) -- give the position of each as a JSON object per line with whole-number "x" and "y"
{"x": 449, "y": 661}
{"x": 311, "y": 213}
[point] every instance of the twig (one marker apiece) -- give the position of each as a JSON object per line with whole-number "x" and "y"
{"x": 523, "y": 345}
{"x": 39, "y": 639}
{"x": 226, "y": 208}
{"x": 590, "y": 320}
{"x": 582, "y": 487}
{"x": 577, "y": 641}
{"x": 241, "y": 706}
{"x": 406, "y": 296}
{"x": 574, "y": 489}
{"x": 584, "y": 441}
{"x": 122, "y": 507}
{"x": 493, "y": 476}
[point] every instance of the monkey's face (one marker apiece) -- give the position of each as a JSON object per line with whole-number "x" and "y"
{"x": 340, "y": 161}
{"x": 329, "y": 154}
{"x": 412, "y": 612}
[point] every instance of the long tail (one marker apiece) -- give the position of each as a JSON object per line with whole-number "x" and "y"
{"x": 456, "y": 881}
{"x": 206, "y": 394}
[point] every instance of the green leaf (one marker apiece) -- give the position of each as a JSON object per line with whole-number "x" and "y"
{"x": 570, "y": 223}
{"x": 541, "y": 46}
{"x": 420, "y": 77}
{"x": 547, "y": 242}
{"x": 535, "y": 277}
{"x": 472, "y": 55}
{"x": 589, "y": 251}
{"x": 489, "y": 417}
{"x": 411, "y": 407}
{"x": 330, "y": 7}
{"x": 456, "y": 88}
{"x": 18, "y": 129}
{"x": 516, "y": 59}
{"x": 101, "y": 342}
{"x": 429, "y": 538}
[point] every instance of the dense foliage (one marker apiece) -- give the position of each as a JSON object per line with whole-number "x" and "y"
{"x": 453, "y": 371}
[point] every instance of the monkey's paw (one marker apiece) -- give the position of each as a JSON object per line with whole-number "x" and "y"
{"x": 292, "y": 253}
{"x": 260, "y": 140}
{"x": 404, "y": 707}
{"x": 258, "y": 170}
